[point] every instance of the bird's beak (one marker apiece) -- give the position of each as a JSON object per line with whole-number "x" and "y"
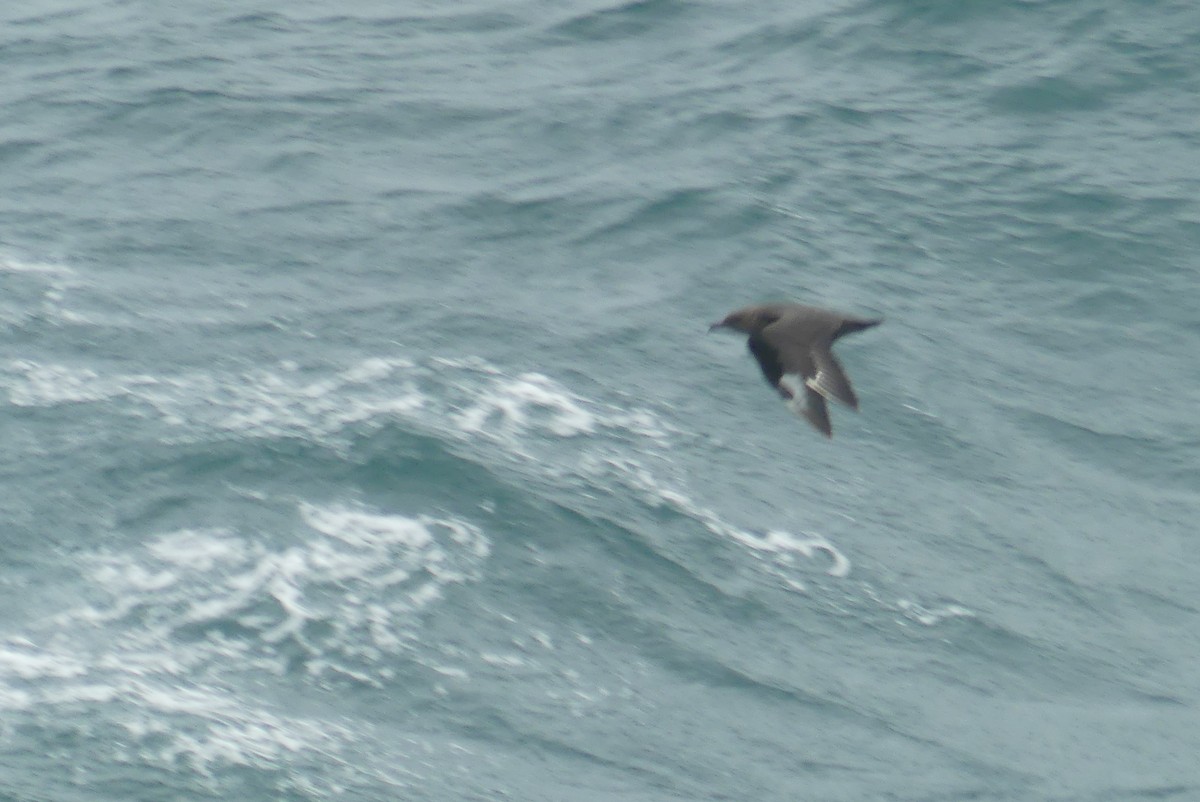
{"x": 715, "y": 326}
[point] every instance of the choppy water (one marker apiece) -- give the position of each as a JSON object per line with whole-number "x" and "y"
{"x": 362, "y": 439}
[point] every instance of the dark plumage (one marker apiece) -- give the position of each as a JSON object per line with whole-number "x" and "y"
{"x": 791, "y": 338}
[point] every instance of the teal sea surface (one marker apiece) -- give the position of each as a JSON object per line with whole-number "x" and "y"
{"x": 363, "y": 440}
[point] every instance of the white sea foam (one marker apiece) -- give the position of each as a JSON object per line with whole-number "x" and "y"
{"x": 506, "y": 661}
{"x": 151, "y": 647}
{"x": 522, "y": 418}
{"x": 931, "y": 616}
{"x": 515, "y": 408}
{"x": 167, "y": 718}
{"x": 367, "y": 530}
{"x": 518, "y": 402}
{"x": 359, "y": 576}
{"x": 780, "y": 545}
{"x": 477, "y": 401}
{"x": 40, "y": 385}
{"x": 199, "y": 549}
{"x": 9, "y": 264}
{"x": 786, "y": 543}
{"x": 48, "y": 282}
{"x": 20, "y": 658}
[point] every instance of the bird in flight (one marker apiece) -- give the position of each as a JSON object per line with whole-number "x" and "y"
{"x": 789, "y": 338}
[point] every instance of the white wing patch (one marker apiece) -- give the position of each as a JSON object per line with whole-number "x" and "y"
{"x": 821, "y": 384}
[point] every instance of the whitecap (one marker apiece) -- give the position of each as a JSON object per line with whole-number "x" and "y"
{"x": 10, "y": 264}
{"x": 931, "y": 616}
{"x": 33, "y": 384}
{"x": 20, "y": 658}
{"x": 348, "y": 589}
{"x": 519, "y": 418}
{"x": 529, "y": 401}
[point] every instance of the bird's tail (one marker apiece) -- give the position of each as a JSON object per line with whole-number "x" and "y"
{"x": 851, "y": 325}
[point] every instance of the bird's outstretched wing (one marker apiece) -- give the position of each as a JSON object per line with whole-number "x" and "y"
{"x": 816, "y": 412}
{"x": 802, "y": 344}
{"x": 830, "y": 380}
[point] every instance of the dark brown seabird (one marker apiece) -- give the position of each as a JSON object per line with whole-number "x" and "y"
{"x": 791, "y": 338}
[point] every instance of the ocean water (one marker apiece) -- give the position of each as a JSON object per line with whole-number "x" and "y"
{"x": 363, "y": 439}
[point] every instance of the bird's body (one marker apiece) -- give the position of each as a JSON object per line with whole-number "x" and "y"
{"x": 789, "y": 338}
